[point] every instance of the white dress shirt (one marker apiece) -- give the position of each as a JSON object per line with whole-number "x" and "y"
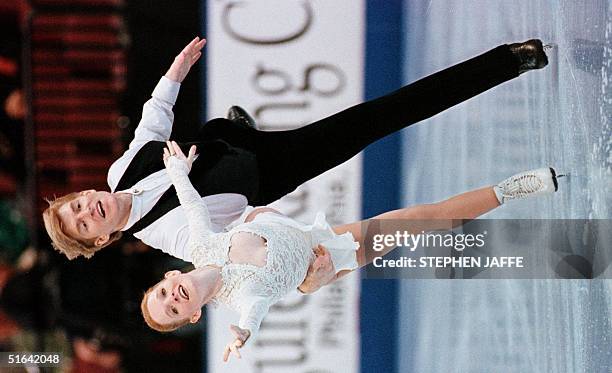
{"x": 169, "y": 233}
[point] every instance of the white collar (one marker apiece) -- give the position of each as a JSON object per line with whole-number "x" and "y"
{"x": 136, "y": 206}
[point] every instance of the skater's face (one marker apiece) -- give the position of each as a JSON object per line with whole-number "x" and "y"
{"x": 92, "y": 215}
{"x": 176, "y": 298}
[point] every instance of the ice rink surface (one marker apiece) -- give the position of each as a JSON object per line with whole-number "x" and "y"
{"x": 559, "y": 116}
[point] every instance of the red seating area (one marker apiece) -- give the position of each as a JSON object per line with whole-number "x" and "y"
{"x": 78, "y": 75}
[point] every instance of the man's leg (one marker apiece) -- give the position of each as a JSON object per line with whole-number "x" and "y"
{"x": 232, "y": 132}
{"x": 289, "y": 158}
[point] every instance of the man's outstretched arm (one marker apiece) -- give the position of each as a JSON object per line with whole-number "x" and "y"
{"x": 157, "y": 115}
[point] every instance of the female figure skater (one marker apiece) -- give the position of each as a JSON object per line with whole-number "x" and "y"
{"x": 255, "y": 264}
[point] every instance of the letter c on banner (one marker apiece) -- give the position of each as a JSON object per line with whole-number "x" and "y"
{"x": 227, "y": 26}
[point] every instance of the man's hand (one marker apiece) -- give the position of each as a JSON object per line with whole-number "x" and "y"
{"x": 183, "y": 62}
{"x": 320, "y": 272}
{"x": 242, "y": 335}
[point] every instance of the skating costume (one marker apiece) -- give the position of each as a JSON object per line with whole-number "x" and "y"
{"x": 250, "y": 289}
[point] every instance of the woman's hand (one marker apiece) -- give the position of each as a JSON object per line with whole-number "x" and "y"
{"x": 187, "y": 58}
{"x": 172, "y": 149}
{"x": 242, "y": 335}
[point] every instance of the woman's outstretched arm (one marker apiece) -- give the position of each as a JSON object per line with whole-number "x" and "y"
{"x": 178, "y": 166}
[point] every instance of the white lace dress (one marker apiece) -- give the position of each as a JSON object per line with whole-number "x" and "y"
{"x": 249, "y": 289}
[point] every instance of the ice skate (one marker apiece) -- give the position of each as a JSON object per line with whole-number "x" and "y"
{"x": 527, "y": 184}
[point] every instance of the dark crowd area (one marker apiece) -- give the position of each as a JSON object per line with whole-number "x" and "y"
{"x": 87, "y": 309}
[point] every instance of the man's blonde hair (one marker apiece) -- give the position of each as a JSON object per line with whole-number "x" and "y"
{"x": 62, "y": 242}
{"x": 164, "y": 328}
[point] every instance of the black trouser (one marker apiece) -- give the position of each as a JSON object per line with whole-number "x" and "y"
{"x": 286, "y": 159}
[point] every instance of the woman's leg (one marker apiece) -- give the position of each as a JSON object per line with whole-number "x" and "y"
{"x": 300, "y": 155}
{"x": 441, "y": 215}
{"x": 452, "y": 212}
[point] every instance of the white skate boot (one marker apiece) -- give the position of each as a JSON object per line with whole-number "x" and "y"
{"x": 526, "y": 184}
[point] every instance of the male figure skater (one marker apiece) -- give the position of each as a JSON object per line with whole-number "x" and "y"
{"x": 240, "y": 166}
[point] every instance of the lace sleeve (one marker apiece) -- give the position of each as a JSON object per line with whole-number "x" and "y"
{"x": 198, "y": 217}
{"x": 253, "y": 308}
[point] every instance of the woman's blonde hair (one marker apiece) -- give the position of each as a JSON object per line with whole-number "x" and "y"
{"x": 164, "y": 328}
{"x": 61, "y": 241}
